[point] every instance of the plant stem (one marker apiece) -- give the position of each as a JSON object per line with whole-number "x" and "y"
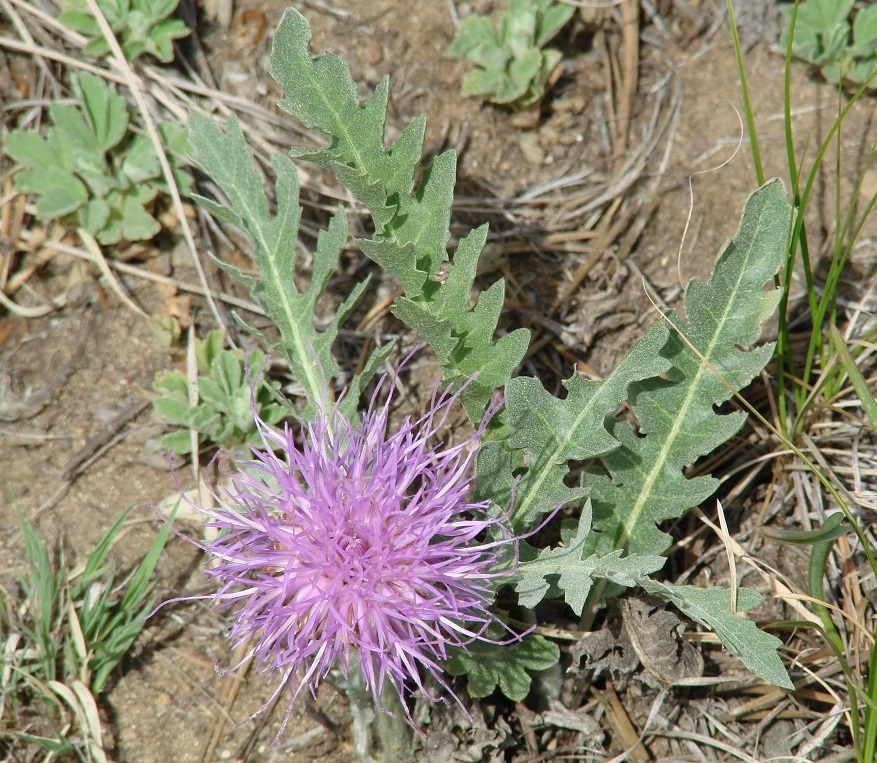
{"x": 392, "y": 731}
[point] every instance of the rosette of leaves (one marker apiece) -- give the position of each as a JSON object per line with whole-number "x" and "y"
{"x": 223, "y": 413}
{"x": 512, "y": 68}
{"x": 837, "y": 38}
{"x": 140, "y": 26}
{"x": 92, "y": 169}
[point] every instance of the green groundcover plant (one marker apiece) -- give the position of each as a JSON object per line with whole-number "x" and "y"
{"x": 92, "y": 169}
{"x": 343, "y": 542}
{"x": 837, "y": 37}
{"x": 141, "y": 26}
{"x": 64, "y": 634}
{"x": 223, "y": 413}
{"x": 513, "y": 64}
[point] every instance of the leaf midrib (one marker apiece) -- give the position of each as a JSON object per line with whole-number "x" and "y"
{"x": 704, "y": 366}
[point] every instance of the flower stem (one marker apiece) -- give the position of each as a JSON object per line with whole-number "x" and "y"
{"x": 392, "y": 731}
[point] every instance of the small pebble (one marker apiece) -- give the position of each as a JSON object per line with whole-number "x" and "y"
{"x": 127, "y": 735}
{"x": 530, "y": 148}
{"x": 370, "y": 52}
{"x": 163, "y": 699}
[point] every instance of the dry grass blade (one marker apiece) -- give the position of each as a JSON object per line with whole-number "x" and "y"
{"x": 134, "y": 87}
{"x": 98, "y": 257}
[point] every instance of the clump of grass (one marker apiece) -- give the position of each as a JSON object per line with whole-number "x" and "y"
{"x": 65, "y": 631}
{"x": 818, "y": 377}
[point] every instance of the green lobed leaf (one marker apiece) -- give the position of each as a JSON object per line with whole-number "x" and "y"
{"x": 513, "y": 68}
{"x": 411, "y": 219}
{"x": 711, "y": 607}
{"x": 160, "y": 42}
{"x": 89, "y": 169}
{"x": 223, "y": 155}
{"x": 645, "y": 482}
{"x": 106, "y": 111}
{"x": 49, "y": 172}
{"x": 550, "y": 432}
{"x": 411, "y": 224}
{"x": 141, "y": 26}
{"x": 571, "y": 571}
{"x": 865, "y": 32}
{"x": 506, "y": 666}
{"x": 825, "y": 38}
{"x": 477, "y": 41}
{"x": 552, "y": 18}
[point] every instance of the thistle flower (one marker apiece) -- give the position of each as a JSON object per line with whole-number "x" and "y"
{"x": 341, "y": 544}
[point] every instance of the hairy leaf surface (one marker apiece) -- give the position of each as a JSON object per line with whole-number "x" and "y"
{"x": 570, "y": 570}
{"x": 225, "y": 157}
{"x": 712, "y": 354}
{"x": 411, "y": 209}
{"x": 711, "y": 607}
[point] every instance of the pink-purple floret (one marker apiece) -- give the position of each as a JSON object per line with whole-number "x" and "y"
{"x": 345, "y": 538}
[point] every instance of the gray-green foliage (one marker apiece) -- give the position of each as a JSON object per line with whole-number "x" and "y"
{"x": 223, "y": 155}
{"x": 514, "y": 67}
{"x": 410, "y": 206}
{"x": 638, "y": 479}
{"x": 671, "y": 381}
{"x": 223, "y": 413}
{"x": 141, "y": 26}
{"x": 411, "y": 209}
{"x": 825, "y": 36}
{"x": 92, "y": 169}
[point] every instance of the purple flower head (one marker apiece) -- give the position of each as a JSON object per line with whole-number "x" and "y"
{"x": 340, "y": 541}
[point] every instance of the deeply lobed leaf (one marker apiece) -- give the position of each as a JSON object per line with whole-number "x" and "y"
{"x": 712, "y": 356}
{"x": 410, "y": 207}
{"x": 504, "y": 666}
{"x": 225, "y": 158}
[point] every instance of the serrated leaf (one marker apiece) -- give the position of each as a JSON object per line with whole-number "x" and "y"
{"x": 506, "y": 666}
{"x": 225, "y": 157}
{"x": 411, "y": 222}
{"x": 550, "y": 432}
{"x": 320, "y": 93}
{"x": 645, "y": 482}
{"x": 711, "y": 607}
{"x": 572, "y": 572}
